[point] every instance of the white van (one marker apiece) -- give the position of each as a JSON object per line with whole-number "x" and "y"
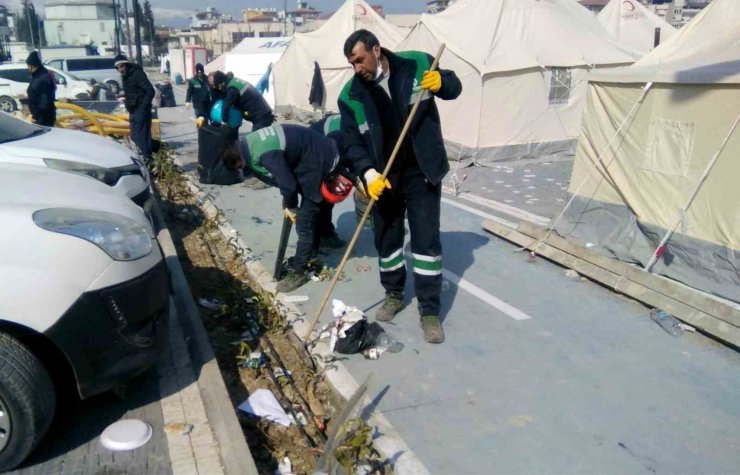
{"x": 15, "y": 78}
{"x": 84, "y": 297}
{"x": 100, "y": 68}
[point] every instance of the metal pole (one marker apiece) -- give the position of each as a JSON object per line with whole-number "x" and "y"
{"x": 117, "y": 22}
{"x": 137, "y": 32}
{"x": 656, "y": 38}
{"x": 128, "y": 28}
{"x": 285, "y": 16}
{"x": 38, "y": 25}
{"x": 30, "y": 24}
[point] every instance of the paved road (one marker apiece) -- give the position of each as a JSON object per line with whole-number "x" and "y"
{"x": 539, "y": 372}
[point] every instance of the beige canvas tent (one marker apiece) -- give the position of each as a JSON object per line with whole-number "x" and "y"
{"x": 649, "y": 133}
{"x": 295, "y": 69}
{"x": 633, "y": 24}
{"x": 523, "y": 65}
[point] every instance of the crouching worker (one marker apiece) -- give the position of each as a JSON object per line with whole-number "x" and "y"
{"x": 300, "y": 162}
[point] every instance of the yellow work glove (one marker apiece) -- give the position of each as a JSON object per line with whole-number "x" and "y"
{"x": 199, "y": 121}
{"x": 431, "y": 80}
{"x": 375, "y": 183}
{"x": 188, "y": 105}
{"x": 290, "y": 214}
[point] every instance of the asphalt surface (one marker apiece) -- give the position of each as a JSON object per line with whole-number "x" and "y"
{"x": 540, "y": 372}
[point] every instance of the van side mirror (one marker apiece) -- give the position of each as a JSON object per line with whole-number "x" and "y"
{"x": 61, "y": 81}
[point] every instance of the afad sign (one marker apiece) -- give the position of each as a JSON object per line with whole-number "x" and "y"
{"x": 362, "y": 15}
{"x": 630, "y": 11}
{"x": 276, "y": 44}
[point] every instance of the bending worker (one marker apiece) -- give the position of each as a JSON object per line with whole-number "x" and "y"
{"x": 301, "y": 162}
{"x": 243, "y": 96}
{"x": 198, "y": 95}
{"x": 374, "y": 105}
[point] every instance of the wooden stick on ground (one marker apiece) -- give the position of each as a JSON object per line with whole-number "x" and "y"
{"x": 387, "y": 169}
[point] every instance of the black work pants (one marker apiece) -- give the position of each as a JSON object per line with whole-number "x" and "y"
{"x": 140, "y": 121}
{"x": 413, "y": 196}
{"x": 313, "y": 221}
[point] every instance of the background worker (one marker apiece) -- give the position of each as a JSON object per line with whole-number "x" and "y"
{"x": 299, "y": 162}
{"x": 139, "y": 94}
{"x": 374, "y": 105}
{"x": 198, "y": 95}
{"x": 41, "y": 92}
{"x": 243, "y": 96}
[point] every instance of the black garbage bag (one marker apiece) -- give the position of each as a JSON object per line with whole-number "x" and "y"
{"x": 212, "y": 142}
{"x": 359, "y": 337}
{"x": 166, "y": 95}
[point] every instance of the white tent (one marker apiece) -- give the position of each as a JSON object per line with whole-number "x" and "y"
{"x": 294, "y": 72}
{"x": 649, "y": 133}
{"x": 250, "y": 59}
{"x": 523, "y": 65}
{"x": 634, "y": 24}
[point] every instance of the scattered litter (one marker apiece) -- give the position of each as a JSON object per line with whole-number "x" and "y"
{"x": 516, "y": 192}
{"x": 571, "y": 274}
{"x": 363, "y": 267}
{"x": 350, "y": 332}
{"x": 530, "y": 187}
{"x": 498, "y": 182}
{"x": 507, "y": 186}
{"x": 550, "y": 179}
{"x": 279, "y": 373}
{"x": 528, "y": 196}
{"x": 315, "y": 278}
{"x": 445, "y": 285}
{"x": 558, "y": 183}
{"x": 527, "y": 171}
{"x": 508, "y": 201}
{"x": 530, "y": 176}
{"x": 529, "y": 202}
{"x": 667, "y": 321}
{"x": 297, "y": 298}
{"x": 127, "y": 434}
{"x": 590, "y": 244}
{"x": 256, "y": 360}
{"x": 179, "y": 428}
{"x": 535, "y": 199}
{"x": 547, "y": 163}
{"x": 259, "y": 220}
{"x": 526, "y": 180}
{"x": 209, "y": 304}
{"x": 284, "y": 467}
{"x": 559, "y": 200}
{"x": 563, "y": 188}
{"x": 483, "y": 188}
{"x": 687, "y": 327}
{"x": 262, "y": 403}
{"x": 373, "y": 353}
{"x": 298, "y": 419}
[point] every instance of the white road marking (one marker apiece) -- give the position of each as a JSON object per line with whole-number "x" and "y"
{"x": 501, "y": 207}
{"x": 478, "y": 212}
{"x": 481, "y": 294}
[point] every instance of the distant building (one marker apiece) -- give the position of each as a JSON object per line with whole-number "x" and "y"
{"x": 436, "y": 6}
{"x": 208, "y": 19}
{"x": 80, "y": 22}
{"x": 594, "y": 5}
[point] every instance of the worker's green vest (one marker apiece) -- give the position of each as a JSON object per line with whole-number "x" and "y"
{"x": 196, "y": 82}
{"x": 358, "y": 108}
{"x": 240, "y": 85}
{"x": 261, "y": 142}
{"x": 332, "y": 124}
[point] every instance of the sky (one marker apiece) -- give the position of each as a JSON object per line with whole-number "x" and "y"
{"x": 173, "y": 12}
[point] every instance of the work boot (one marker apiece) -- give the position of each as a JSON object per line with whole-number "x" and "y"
{"x": 292, "y": 281}
{"x": 254, "y": 183}
{"x": 433, "y": 332}
{"x": 332, "y": 241}
{"x": 391, "y": 306}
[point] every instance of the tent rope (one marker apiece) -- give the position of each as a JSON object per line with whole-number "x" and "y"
{"x": 539, "y": 242}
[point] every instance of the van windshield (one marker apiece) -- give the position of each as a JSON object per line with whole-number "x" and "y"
{"x": 12, "y": 129}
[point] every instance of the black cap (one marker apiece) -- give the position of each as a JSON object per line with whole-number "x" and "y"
{"x": 119, "y": 59}
{"x": 34, "y": 59}
{"x": 199, "y": 68}
{"x": 219, "y": 78}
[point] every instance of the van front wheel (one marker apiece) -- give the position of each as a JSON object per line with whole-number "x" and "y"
{"x": 27, "y": 402}
{"x": 114, "y": 87}
{"x": 7, "y": 104}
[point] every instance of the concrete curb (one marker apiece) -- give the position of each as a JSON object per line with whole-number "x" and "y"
{"x": 387, "y": 440}
{"x": 235, "y": 454}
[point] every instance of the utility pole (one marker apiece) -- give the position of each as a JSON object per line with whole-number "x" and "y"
{"x": 117, "y": 28}
{"x": 38, "y": 25}
{"x": 285, "y": 16}
{"x": 30, "y": 24}
{"x": 128, "y": 28}
{"x": 137, "y": 32}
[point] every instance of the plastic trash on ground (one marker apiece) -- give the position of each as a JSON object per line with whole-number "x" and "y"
{"x": 209, "y": 304}
{"x": 351, "y": 333}
{"x": 262, "y": 403}
{"x": 285, "y": 467}
{"x": 669, "y": 323}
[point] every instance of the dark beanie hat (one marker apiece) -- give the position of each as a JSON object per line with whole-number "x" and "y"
{"x": 199, "y": 68}
{"x": 120, "y": 59}
{"x": 34, "y": 59}
{"x": 219, "y": 78}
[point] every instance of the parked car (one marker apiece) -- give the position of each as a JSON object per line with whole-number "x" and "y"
{"x": 15, "y": 78}
{"x": 8, "y": 102}
{"x": 100, "y": 68}
{"x": 84, "y": 297}
{"x": 77, "y": 152}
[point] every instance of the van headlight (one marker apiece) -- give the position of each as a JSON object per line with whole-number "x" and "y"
{"x": 122, "y": 238}
{"x": 109, "y": 176}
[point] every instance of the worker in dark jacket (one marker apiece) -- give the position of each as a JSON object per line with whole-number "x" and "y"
{"x": 374, "y": 105}
{"x": 244, "y": 97}
{"x": 139, "y": 94}
{"x": 198, "y": 95}
{"x": 41, "y": 92}
{"x": 297, "y": 160}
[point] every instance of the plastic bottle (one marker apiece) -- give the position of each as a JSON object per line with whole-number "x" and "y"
{"x": 666, "y": 321}
{"x": 387, "y": 342}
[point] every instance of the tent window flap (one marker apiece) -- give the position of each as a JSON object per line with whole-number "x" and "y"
{"x": 560, "y": 86}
